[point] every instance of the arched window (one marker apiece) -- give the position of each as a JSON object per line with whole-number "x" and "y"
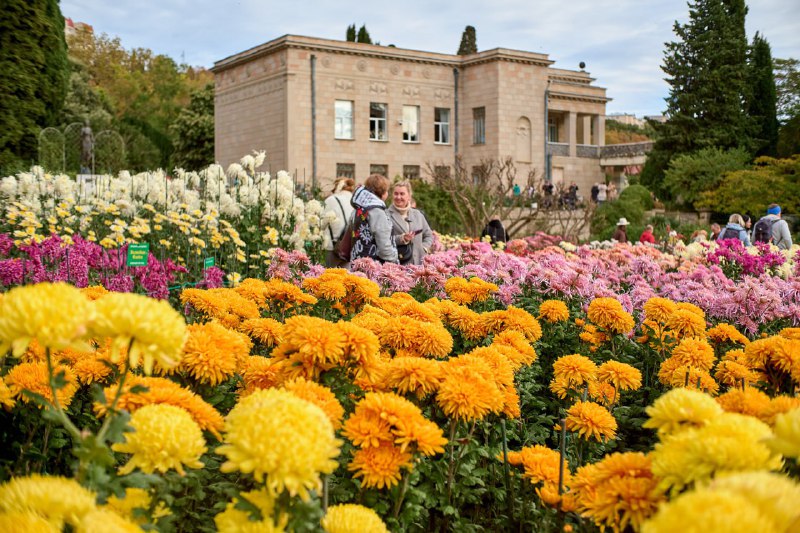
{"x": 523, "y": 140}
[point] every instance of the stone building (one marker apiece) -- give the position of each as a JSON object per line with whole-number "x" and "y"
{"x": 325, "y": 108}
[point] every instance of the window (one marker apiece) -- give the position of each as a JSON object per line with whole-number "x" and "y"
{"x": 410, "y": 172}
{"x": 442, "y": 171}
{"x": 377, "y": 121}
{"x": 383, "y": 170}
{"x": 343, "y": 128}
{"x": 478, "y": 125}
{"x": 478, "y": 173}
{"x": 346, "y": 170}
{"x": 552, "y": 130}
{"x": 441, "y": 125}
{"x": 411, "y": 123}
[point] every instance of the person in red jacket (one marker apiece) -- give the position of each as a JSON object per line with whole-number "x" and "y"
{"x": 647, "y": 235}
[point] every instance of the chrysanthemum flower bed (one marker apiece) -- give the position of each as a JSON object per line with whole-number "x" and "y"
{"x": 592, "y": 391}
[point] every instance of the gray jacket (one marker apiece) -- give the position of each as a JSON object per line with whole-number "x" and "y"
{"x": 413, "y": 221}
{"x": 781, "y": 236}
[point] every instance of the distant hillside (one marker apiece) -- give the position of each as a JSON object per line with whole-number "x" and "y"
{"x": 618, "y": 133}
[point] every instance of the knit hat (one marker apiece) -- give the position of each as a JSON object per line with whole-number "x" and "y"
{"x": 776, "y": 210}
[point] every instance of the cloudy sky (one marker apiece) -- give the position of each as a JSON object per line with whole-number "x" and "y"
{"x": 621, "y": 41}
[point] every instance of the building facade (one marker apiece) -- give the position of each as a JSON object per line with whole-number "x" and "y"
{"x": 325, "y": 108}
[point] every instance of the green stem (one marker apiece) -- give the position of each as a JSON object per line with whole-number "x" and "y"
{"x": 451, "y": 468}
{"x": 507, "y": 471}
{"x": 72, "y": 428}
{"x": 110, "y": 412}
{"x": 403, "y": 488}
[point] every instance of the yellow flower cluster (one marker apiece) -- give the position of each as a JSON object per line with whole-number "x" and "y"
{"x": 265, "y": 434}
{"x": 235, "y": 520}
{"x": 590, "y": 420}
{"x": 389, "y": 429}
{"x": 320, "y": 396}
{"x": 348, "y": 292}
{"x": 608, "y": 314}
{"x": 225, "y": 305}
{"x": 618, "y": 491}
{"x": 467, "y": 292}
{"x": 553, "y": 311}
{"x": 477, "y": 384}
{"x": 213, "y": 353}
{"x": 541, "y": 466}
{"x": 164, "y": 437}
{"x": 352, "y": 518}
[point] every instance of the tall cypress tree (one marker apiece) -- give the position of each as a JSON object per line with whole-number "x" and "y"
{"x": 707, "y": 70}
{"x": 350, "y": 35}
{"x": 469, "y": 43}
{"x": 33, "y": 60}
{"x": 762, "y": 106}
{"x": 363, "y": 35}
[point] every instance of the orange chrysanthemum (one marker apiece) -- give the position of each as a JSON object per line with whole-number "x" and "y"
{"x": 659, "y": 310}
{"x": 591, "y": 420}
{"x": 213, "y": 353}
{"x": 266, "y": 331}
{"x": 621, "y": 375}
{"x": 749, "y": 401}
{"x": 608, "y": 314}
{"x": 260, "y": 373}
{"x": 575, "y": 368}
{"x": 34, "y": 377}
{"x": 468, "y": 391}
{"x": 554, "y": 311}
{"x": 320, "y": 396}
{"x": 686, "y": 323}
{"x": 413, "y": 375}
{"x": 379, "y": 466}
{"x": 726, "y": 333}
{"x": 694, "y": 352}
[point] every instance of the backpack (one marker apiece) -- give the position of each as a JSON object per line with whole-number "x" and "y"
{"x": 762, "y": 231}
{"x": 730, "y": 233}
{"x": 344, "y": 245}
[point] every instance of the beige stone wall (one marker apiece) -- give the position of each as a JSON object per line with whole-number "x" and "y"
{"x": 263, "y": 102}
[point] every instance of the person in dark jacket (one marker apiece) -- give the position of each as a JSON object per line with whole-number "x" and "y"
{"x": 372, "y": 229}
{"x": 735, "y": 229}
{"x": 495, "y": 231}
{"x": 621, "y": 233}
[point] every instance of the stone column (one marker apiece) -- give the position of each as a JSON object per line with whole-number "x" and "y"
{"x": 572, "y": 133}
{"x": 587, "y": 129}
{"x": 600, "y": 129}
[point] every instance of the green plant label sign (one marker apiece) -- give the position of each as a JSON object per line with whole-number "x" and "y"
{"x": 208, "y": 262}
{"x": 138, "y": 254}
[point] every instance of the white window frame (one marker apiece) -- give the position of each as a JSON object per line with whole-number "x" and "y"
{"x": 441, "y": 128}
{"x": 378, "y": 130}
{"x": 411, "y": 124}
{"x": 342, "y": 120}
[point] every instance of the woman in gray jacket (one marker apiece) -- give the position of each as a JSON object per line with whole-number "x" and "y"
{"x": 410, "y": 229}
{"x": 372, "y": 230}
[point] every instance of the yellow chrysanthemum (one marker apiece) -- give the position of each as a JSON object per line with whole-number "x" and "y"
{"x": 621, "y": 375}
{"x": 57, "y": 315}
{"x": 730, "y": 442}
{"x": 680, "y": 409}
{"x": 135, "y": 499}
{"x": 35, "y": 378}
{"x": 413, "y": 375}
{"x": 352, "y": 518}
{"x": 164, "y": 438}
{"x": 618, "y": 491}
{"x": 6, "y": 396}
{"x": 575, "y": 368}
{"x": 466, "y": 292}
{"x": 601, "y": 392}
{"x": 320, "y": 396}
{"x": 213, "y": 353}
{"x": 541, "y": 464}
{"x": 706, "y": 511}
{"x": 790, "y": 333}
{"x": 264, "y": 434}
{"x": 608, "y": 314}
{"x": 659, "y": 309}
{"x": 694, "y": 352}
{"x": 591, "y": 420}
{"x": 91, "y": 369}
{"x": 153, "y": 329}
{"x": 379, "y": 467}
{"x": 106, "y": 520}
{"x": 235, "y": 520}
{"x": 164, "y": 391}
{"x": 779, "y": 405}
{"x": 526, "y": 354}
{"x": 686, "y": 323}
{"x": 554, "y": 311}
{"x": 57, "y": 499}
{"x": 787, "y": 434}
{"x": 732, "y": 374}
{"x": 776, "y": 495}
{"x": 27, "y": 522}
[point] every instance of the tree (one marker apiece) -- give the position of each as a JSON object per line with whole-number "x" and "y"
{"x": 689, "y": 175}
{"x": 787, "y": 86}
{"x": 469, "y": 43}
{"x": 193, "y": 131}
{"x": 706, "y": 68}
{"x": 363, "y": 35}
{"x": 33, "y": 60}
{"x": 350, "y": 35}
{"x": 485, "y": 192}
{"x": 752, "y": 190}
{"x": 762, "y": 104}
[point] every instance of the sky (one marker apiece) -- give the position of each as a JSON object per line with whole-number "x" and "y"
{"x": 621, "y": 41}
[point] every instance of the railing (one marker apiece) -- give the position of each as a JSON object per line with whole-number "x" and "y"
{"x": 560, "y": 149}
{"x": 588, "y": 150}
{"x": 626, "y": 150}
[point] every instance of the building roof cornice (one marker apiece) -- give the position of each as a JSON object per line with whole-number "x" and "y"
{"x": 578, "y": 97}
{"x": 314, "y": 44}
